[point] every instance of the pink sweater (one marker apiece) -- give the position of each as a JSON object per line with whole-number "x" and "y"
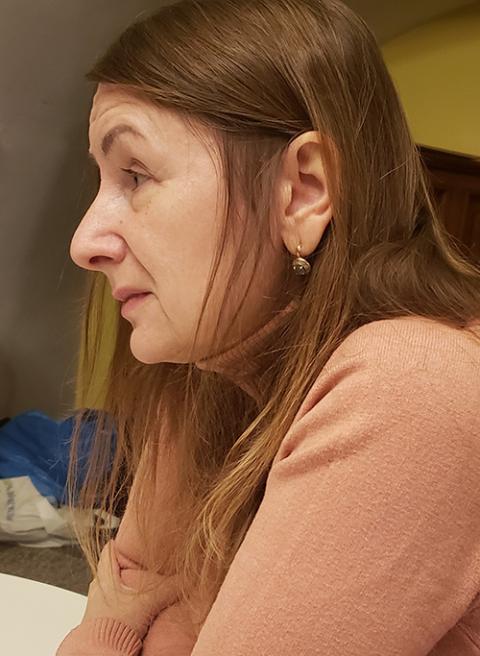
{"x": 367, "y": 541}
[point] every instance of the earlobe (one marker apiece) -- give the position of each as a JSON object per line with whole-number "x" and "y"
{"x": 307, "y": 231}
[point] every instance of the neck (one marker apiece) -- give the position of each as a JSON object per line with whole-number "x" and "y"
{"x": 242, "y": 362}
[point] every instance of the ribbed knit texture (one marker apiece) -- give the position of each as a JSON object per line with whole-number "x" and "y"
{"x": 240, "y": 362}
{"x": 102, "y": 636}
{"x": 367, "y": 540}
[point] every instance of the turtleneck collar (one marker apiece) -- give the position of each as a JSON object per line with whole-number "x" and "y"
{"x": 239, "y": 363}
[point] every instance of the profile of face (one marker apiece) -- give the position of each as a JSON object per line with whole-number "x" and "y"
{"x": 153, "y": 226}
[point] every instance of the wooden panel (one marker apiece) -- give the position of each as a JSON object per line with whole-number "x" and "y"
{"x": 456, "y": 189}
{"x": 474, "y": 235}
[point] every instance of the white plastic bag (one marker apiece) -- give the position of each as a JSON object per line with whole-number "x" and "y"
{"x": 29, "y": 519}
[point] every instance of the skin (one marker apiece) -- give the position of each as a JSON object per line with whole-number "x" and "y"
{"x": 132, "y": 596}
{"x": 156, "y": 229}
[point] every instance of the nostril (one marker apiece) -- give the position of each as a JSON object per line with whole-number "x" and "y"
{"x": 98, "y": 259}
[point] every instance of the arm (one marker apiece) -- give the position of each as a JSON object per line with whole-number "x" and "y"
{"x": 365, "y": 541}
{"x": 172, "y": 633}
{"x": 118, "y": 616}
{"x": 172, "y": 628}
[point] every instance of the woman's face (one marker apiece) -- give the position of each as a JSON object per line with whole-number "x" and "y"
{"x": 153, "y": 226}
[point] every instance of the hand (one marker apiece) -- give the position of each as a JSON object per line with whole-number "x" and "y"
{"x": 108, "y": 596}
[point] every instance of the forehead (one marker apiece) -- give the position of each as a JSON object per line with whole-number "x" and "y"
{"x": 110, "y": 97}
{"x": 113, "y": 103}
{"x": 114, "y": 106}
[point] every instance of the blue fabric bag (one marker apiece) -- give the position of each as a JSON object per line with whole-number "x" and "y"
{"x": 32, "y": 444}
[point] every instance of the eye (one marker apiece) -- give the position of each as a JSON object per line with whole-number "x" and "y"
{"x": 138, "y": 178}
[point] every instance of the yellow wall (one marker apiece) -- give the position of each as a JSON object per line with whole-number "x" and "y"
{"x": 436, "y": 69}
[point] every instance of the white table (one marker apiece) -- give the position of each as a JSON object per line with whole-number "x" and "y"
{"x": 35, "y": 617}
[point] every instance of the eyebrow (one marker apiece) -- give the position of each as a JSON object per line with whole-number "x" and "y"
{"x": 109, "y": 139}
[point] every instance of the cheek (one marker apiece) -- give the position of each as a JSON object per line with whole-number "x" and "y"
{"x": 143, "y": 200}
{"x": 179, "y": 233}
{"x": 179, "y": 221}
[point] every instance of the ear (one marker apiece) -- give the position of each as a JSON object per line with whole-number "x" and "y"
{"x": 305, "y": 209}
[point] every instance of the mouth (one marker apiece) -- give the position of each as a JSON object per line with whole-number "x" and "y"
{"x": 136, "y": 296}
{"x": 133, "y": 302}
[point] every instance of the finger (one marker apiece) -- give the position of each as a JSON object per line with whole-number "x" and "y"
{"x": 156, "y": 590}
{"x": 104, "y": 555}
{"x": 108, "y": 564}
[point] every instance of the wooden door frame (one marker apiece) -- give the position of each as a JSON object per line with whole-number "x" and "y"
{"x": 445, "y": 160}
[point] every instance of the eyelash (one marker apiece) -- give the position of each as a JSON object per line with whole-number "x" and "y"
{"x": 135, "y": 174}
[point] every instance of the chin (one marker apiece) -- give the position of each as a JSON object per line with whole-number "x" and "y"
{"x": 148, "y": 354}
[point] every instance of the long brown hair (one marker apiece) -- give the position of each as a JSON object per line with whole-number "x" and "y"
{"x": 256, "y": 74}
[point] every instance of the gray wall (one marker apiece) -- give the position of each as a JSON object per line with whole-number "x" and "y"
{"x": 46, "y": 46}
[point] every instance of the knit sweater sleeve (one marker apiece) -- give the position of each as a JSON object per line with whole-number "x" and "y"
{"x": 169, "y": 635}
{"x": 366, "y": 541}
{"x": 103, "y": 636}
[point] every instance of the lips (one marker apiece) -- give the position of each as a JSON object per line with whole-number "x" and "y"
{"x": 131, "y": 305}
{"x": 135, "y": 295}
{"x": 124, "y": 293}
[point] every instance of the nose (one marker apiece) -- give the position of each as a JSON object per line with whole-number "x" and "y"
{"x": 95, "y": 243}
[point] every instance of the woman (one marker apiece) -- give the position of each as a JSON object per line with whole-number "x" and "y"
{"x": 294, "y": 386}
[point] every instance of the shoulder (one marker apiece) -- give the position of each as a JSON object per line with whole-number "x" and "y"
{"x": 407, "y": 342}
{"x": 408, "y": 379}
{"x": 392, "y": 360}
{"x": 416, "y": 346}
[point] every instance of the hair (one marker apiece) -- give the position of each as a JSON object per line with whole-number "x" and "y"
{"x": 256, "y": 74}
